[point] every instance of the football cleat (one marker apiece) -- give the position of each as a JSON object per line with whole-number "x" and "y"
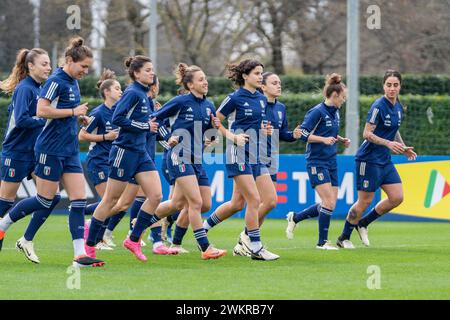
{"x": 241, "y": 250}
{"x": 178, "y": 248}
{"x": 326, "y": 246}
{"x": 264, "y": 255}
{"x": 345, "y": 244}
{"x": 28, "y": 249}
{"x": 290, "y": 225}
{"x": 213, "y": 253}
{"x": 363, "y": 235}
{"x": 135, "y": 248}
{"x": 85, "y": 261}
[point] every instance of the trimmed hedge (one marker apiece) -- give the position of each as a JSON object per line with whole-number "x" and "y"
{"x": 369, "y": 85}
{"x": 427, "y": 138}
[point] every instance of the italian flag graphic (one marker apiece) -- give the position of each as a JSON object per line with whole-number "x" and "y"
{"x": 438, "y": 188}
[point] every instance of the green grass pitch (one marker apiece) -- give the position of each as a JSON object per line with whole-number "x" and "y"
{"x": 413, "y": 260}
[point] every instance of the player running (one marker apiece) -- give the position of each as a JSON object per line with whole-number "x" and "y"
{"x": 374, "y": 167}
{"x": 320, "y": 129}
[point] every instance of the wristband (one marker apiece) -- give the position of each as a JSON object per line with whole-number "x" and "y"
{"x": 104, "y": 137}
{"x": 73, "y": 112}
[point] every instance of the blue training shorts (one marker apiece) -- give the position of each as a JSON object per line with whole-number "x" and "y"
{"x": 369, "y": 177}
{"x": 125, "y": 164}
{"x": 13, "y": 170}
{"x": 320, "y": 175}
{"x": 49, "y": 167}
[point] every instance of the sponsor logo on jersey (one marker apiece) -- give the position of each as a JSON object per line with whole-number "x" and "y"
{"x": 246, "y": 104}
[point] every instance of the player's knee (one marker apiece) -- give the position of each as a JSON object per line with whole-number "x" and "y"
{"x": 330, "y": 204}
{"x": 237, "y": 205}
{"x": 269, "y": 203}
{"x": 206, "y": 206}
{"x": 254, "y": 201}
{"x": 196, "y": 204}
{"x": 396, "y": 200}
{"x": 155, "y": 199}
{"x": 178, "y": 204}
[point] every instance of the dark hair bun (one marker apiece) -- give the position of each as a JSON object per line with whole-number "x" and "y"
{"x": 76, "y": 42}
{"x": 333, "y": 78}
{"x": 128, "y": 62}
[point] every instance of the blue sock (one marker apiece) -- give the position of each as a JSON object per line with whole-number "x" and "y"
{"x": 76, "y": 218}
{"x": 347, "y": 232}
{"x": 156, "y": 234}
{"x": 144, "y": 220}
{"x": 89, "y": 211}
{"x": 38, "y": 218}
{"x": 324, "y": 225}
{"x": 94, "y": 230}
{"x": 179, "y": 235}
{"x": 101, "y": 233}
{"x": 213, "y": 220}
{"x": 5, "y": 205}
{"x": 202, "y": 239}
{"x": 246, "y": 230}
{"x": 134, "y": 211}
{"x": 311, "y": 212}
{"x": 172, "y": 218}
{"x": 115, "y": 219}
{"x": 369, "y": 218}
{"x": 28, "y": 206}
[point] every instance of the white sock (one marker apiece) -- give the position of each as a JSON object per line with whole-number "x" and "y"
{"x": 5, "y": 223}
{"x": 256, "y": 246}
{"x": 108, "y": 233}
{"x": 206, "y": 225}
{"x": 78, "y": 247}
{"x": 157, "y": 244}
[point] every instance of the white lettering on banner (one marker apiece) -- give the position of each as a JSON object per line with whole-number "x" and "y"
{"x": 218, "y": 186}
{"x": 301, "y": 177}
{"x": 345, "y": 190}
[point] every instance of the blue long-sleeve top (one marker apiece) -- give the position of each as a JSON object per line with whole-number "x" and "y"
{"x": 23, "y": 125}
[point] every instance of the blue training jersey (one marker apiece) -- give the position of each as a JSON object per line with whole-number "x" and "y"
{"x": 245, "y": 111}
{"x": 131, "y": 114}
{"x": 276, "y": 113}
{"x": 23, "y": 125}
{"x": 387, "y": 118}
{"x": 188, "y": 114}
{"x": 60, "y": 136}
{"x": 323, "y": 121}
{"x": 100, "y": 122}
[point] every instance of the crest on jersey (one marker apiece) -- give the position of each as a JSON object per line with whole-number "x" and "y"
{"x": 47, "y": 170}
{"x": 263, "y": 105}
{"x": 12, "y": 172}
{"x": 320, "y": 176}
{"x": 241, "y": 167}
{"x": 280, "y": 115}
{"x": 208, "y": 112}
{"x": 120, "y": 172}
{"x": 366, "y": 184}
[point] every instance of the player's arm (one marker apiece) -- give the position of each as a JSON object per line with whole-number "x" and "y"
{"x": 123, "y": 107}
{"x": 23, "y": 99}
{"x": 86, "y": 134}
{"x": 310, "y": 123}
{"x": 407, "y": 151}
{"x": 370, "y": 136}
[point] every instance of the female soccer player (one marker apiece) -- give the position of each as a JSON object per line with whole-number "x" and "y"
{"x": 134, "y": 192}
{"x": 129, "y": 158}
{"x": 245, "y": 112}
{"x": 190, "y": 116}
{"x": 57, "y": 151}
{"x": 320, "y": 130}
{"x": 374, "y": 167}
{"x": 31, "y": 69}
{"x": 275, "y": 116}
{"x": 100, "y": 132}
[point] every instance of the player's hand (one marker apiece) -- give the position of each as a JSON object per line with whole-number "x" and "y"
{"x": 157, "y": 105}
{"x": 345, "y": 142}
{"x": 81, "y": 110}
{"x": 153, "y": 125}
{"x": 84, "y": 120}
{"x": 241, "y": 139}
{"x": 112, "y": 135}
{"x": 396, "y": 147}
{"x": 267, "y": 129}
{"x": 215, "y": 121}
{"x": 297, "y": 132}
{"x": 209, "y": 142}
{"x": 173, "y": 141}
{"x": 329, "y": 141}
{"x": 409, "y": 153}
